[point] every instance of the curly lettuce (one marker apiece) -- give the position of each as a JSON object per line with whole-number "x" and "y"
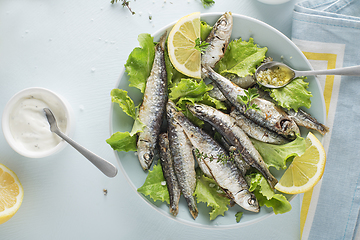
{"x": 190, "y": 91}
{"x": 293, "y": 95}
{"x": 125, "y": 141}
{"x": 277, "y": 155}
{"x": 241, "y": 58}
{"x": 207, "y": 191}
{"x": 140, "y": 61}
{"x": 155, "y": 185}
{"x": 266, "y": 196}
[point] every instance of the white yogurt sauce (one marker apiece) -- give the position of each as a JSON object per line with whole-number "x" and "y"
{"x": 28, "y": 123}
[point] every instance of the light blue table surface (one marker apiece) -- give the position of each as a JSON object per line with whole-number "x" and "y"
{"x": 77, "y": 49}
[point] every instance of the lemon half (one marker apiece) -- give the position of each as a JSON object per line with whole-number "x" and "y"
{"x": 181, "y": 42}
{"x": 306, "y": 170}
{"x": 11, "y": 193}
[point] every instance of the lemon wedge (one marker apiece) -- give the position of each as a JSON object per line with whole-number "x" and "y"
{"x": 306, "y": 170}
{"x": 181, "y": 42}
{"x": 11, "y": 193}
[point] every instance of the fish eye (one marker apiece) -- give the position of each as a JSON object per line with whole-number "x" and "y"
{"x": 148, "y": 156}
{"x": 198, "y": 108}
{"x": 251, "y": 201}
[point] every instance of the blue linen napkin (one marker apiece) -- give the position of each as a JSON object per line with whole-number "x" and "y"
{"x": 328, "y": 32}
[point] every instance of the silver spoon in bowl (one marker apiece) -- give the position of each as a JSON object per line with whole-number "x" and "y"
{"x": 285, "y": 74}
{"x": 104, "y": 166}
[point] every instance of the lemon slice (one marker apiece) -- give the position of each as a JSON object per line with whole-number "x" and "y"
{"x": 306, "y": 170}
{"x": 181, "y": 43}
{"x": 11, "y": 193}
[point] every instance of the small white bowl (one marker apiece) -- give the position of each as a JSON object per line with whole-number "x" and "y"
{"x": 32, "y": 102}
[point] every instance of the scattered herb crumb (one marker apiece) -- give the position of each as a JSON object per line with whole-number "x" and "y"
{"x": 124, "y": 4}
{"x": 207, "y": 3}
{"x": 238, "y": 216}
{"x": 220, "y": 158}
{"x": 201, "y": 46}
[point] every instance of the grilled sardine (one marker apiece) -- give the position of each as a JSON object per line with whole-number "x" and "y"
{"x": 184, "y": 161}
{"x": 153, "y": 107}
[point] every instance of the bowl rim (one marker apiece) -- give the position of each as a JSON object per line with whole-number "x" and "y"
{"x": 6, "y": 128}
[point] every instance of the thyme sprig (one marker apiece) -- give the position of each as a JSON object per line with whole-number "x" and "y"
{"x": 220, "y": 158}
{"x": 207, "y": 3}
{"x": 201, "y": 46}
{"x": 124, "y": 4}
{"x": 250, "y": 95}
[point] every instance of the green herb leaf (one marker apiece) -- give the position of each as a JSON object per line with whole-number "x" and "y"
{"x": 238, "y": 216}
{"x": 201, "y": 46}
{"x": 250, "y": 95}
{"x": 207, "y": 3}
{"x": 140, "y": 61}
{"x": 124, "y": 4}
{"x": 207, "y": 191}
{"x": 154, "y": 185}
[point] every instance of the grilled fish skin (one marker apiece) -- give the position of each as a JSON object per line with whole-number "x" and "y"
{"x": 269, "y": 116}
{"x": 153, "y": 107}
{"x": 167, "y": 166}
{"x": 304, "y": 119}
{"x": 226, "y": 126}
{"x": 218, "y": 40}
{"x": 184, "y": 162}
{"x": 256, "y": 131}
{"x": 239, "y": 161}
{"x": 227, "y": 175}
{"x": 300, "y": 117}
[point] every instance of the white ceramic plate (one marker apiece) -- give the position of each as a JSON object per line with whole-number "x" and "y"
{"x": 281, "y": 49}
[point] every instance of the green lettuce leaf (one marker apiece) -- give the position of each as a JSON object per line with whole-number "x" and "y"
{"x": 205, "y": 29}
{"x": 277, "y": 155}
{"x": 125, "y": 141}
{"x": 154, "y": 186}
{"x": 266, "y": 196}
{"x": 241, "y": 58}
{"x": 208, "y": 100}
{"x": 122, "y": 141}
{"x": 169, "y": 68}
{"x": 207, "y": 191}
{"x": 293, "y": 95}
{"x": 189, "y": 90}
{"x": 121, "y": 97}
{"x": 140, "y": 61}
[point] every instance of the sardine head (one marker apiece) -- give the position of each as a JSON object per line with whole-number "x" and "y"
{"x": 197, "y": 109}
{"x": 170, "y": 109}
{"x": 145, "y": 155}
{"x": 289, "y": 127}
{"x": 247, "y": 200}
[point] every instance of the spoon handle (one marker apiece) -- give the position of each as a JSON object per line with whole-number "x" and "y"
{"x": 104, "y": 166}
{"x": 349, "y": 71}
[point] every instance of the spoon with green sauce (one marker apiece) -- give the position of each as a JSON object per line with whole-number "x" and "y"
{"x": 277, "y": 75}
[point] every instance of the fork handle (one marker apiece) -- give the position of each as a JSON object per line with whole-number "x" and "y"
{"x": 104, "y": 166}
